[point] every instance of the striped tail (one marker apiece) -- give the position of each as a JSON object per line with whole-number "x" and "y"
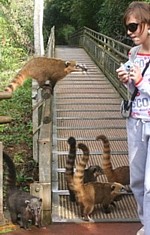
{"x": 71, "y": 159}
{"x": 79, "y": 174}
{"x": 70, "y": 162}
{"x": 106, "y": 152}
{"x": 16, "y": 82}
{"x": 11, "y": 178}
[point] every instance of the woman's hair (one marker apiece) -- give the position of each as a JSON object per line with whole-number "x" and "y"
{"x": 140, "y": 10}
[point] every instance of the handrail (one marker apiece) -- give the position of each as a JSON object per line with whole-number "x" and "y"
{"x": 42, "y": 137}
{"x": 107, "y": 53}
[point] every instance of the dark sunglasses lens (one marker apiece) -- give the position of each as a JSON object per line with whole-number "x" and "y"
{"x": 132, "y": 27}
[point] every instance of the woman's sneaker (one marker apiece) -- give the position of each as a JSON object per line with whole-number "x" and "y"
{"x": 141, "y": 231}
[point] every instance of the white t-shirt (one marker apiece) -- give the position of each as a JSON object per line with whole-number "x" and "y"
{"x": 141, "y": 103}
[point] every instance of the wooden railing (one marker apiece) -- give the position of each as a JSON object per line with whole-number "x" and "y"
{"x": 42, "y": 138}
{"x": 3, "y": 120}
{"x": 105, "y": 51}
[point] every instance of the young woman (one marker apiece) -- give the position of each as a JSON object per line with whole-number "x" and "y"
{"x": 137, "y": 23}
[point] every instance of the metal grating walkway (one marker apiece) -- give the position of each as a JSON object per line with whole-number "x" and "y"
{"x": 85, "y": 105}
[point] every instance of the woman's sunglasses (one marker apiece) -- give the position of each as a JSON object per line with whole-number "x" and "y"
{"x": 132, "y": 27}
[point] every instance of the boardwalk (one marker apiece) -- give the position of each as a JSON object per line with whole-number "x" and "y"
{"x": 85, "y": 105}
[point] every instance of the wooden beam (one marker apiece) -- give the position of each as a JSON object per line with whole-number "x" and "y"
{"x": 5, "y": 119}
{"x": 5, "y": 95}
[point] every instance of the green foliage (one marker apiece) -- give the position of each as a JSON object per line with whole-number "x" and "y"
{"x": 16, "y": 42}
{"x": 19, "y": 107}
{"x": 109, "y": 17}
{"x": 83, "y": 13}
{"x": 64, "y": 33}
{"x": 57, "y": 12}
{"x": 22, "y": 181}
{"x": 15, "y": 29}
{"x": 18, "y": 26}
{"x": 104, "y": 16}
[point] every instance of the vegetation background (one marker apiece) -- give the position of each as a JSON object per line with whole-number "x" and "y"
{"x": 17, "y": 46}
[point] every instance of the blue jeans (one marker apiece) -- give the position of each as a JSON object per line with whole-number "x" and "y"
{"x": 138, "y": 134}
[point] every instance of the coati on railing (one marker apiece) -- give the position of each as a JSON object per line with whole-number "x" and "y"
{"x": 44, "y": 69}
{"x": 21, "y": 203}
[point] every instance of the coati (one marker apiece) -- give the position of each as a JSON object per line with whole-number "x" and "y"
{"x": 89, "y": 194}
{"x": 43, "y": 69}
{"x": 90, "y": 174}
{"x": 21, "y": 203}
{"x": 120, "y": 174}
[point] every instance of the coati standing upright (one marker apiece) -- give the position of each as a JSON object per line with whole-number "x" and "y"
{"x": 21, "y": 203}
{"x": 43, "y": 69}
{"x": 89, "y": 194}
{"x": 120, "y": 174}
{"x": 90, "y": 174}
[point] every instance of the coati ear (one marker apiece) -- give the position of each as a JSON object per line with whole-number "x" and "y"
{"x": 27, "y": 202}
{"x": 93, "y": 168}
{"x": 67, "y": 63}
{"x": 112, "y": 187}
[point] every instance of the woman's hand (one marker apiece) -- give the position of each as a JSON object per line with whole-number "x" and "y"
{"x": 135, "y": 74}
{"x": 123, "y": 75}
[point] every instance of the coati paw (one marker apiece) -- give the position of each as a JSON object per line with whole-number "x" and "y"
{"x": 113, "y": 204}
{"x": 88, "y": 218}
{"x": 91, "y": 220}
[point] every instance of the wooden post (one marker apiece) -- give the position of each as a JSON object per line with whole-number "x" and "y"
{"x": 2, "y": 220}
{"x": 42, "y": 139}
{"x": 43, "y": 188}
{"x": 36, "y": 99}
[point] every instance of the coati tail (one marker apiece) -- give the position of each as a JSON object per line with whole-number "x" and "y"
{"x": 16, "y": 82}
{"x": 11, "y": 178}
{"x": 119, "y": 174}
{"x": 106, "y": 152}
{"x": 71, "y": 157}
{"x": 70, "y": 167}
{"x": 79, "y": 174}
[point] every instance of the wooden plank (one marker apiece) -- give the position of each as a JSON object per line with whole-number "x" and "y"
{"x": 5, "y": 119}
